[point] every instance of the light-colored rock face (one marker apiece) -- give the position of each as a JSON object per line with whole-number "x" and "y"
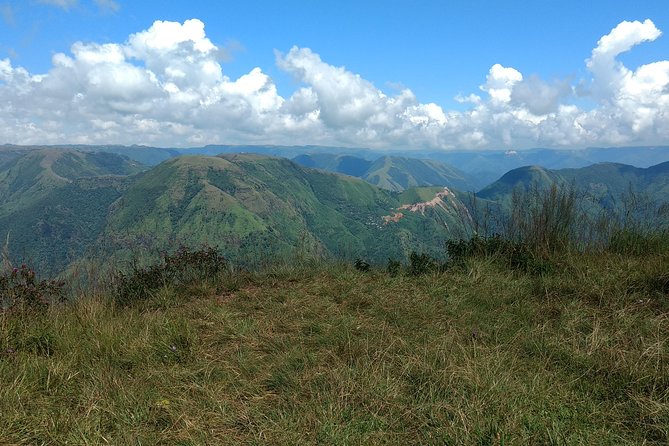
{"x": 444, "y": 199}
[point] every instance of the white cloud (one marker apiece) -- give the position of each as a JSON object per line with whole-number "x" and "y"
{"x": 65, "y": 4}
{"x": 108, "y": 5}
{"x": 165, "y": 86}
{"x": 7, "y": 14}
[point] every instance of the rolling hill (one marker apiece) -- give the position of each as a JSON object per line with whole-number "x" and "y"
{"x": 255, "y": 207}
{"x": 394, "y": 173}
{"x": 599, "y": 181}
{"x": 58, "y": 205}
{"x": 54, "y": 204}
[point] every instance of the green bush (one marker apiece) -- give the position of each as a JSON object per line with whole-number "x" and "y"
{"x": 393, "y": 268}
{"x": 421, "y": 264}
{"x": 21, "y": 289}
{"x": 638, "y": 242}
{"x": 179, "y": 269}
{"x": 516, "y": 255}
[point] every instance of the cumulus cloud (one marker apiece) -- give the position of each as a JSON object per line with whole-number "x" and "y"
{"x": 165, "y": 86}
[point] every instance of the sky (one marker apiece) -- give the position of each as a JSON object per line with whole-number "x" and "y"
{"x": 438, "y": 75}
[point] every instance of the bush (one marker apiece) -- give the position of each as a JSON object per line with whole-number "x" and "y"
{"x": 518, "y": 256}
{"x": 361, "y": 265}
{"x": 20, "y": 289}
{"x": 544, "y": 220}
{"x": 421, "y": 264}
{"x": 638, "y": 242}
{"x": 181, "y": 268}
{"x": 393, "y": 268}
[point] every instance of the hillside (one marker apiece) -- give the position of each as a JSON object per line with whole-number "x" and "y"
{"x": 602, "y": 181}
{"x": 28, "y": 177}
{"x": 53, "y": 204}
{"x": 394, "y": 173}
{"x": 488, "y": 166}
{"x": 57, "y": 206}
{"x": 60, "y": 207}
{"x": 325, "y": 354}
{"x": 480, "y": 168}
{"x": 399, "y": 173}
{"x": 255, "y": 206}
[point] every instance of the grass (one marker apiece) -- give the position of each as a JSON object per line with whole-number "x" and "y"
{"x": 478, "y": 354}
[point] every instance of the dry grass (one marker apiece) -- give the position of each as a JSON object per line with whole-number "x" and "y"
{"x": 478, "y": 355}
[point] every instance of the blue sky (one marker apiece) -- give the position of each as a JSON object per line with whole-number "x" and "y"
{"x": 437, "y": 50}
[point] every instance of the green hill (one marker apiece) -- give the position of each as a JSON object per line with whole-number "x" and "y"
{"x": 27, "y": 179}
{"x": 399, "y": 173}
{"x": 54, "y": 204}
{"x": 524, "y": 178}
{"x": 394, "y": 173}
{"x": 255, "y": 207}
{"x": 57, "y": 206}
{"x": 602, "y": 181}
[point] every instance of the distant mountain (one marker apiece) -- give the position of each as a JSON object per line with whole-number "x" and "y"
{"x": 148, "y": 156}
{"x": 337, "y": 163}
{"x": 399, "y": 173}
{"x": 391, "y": 172}
{"x": 489, "y": 166}
{"x": 29, "y": 178}
{"x": 604, "y": 182}
{"x": 54, "y": 204}
{"x": 481, "y": 167}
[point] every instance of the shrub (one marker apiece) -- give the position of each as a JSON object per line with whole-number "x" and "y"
{"x": 421, "y": 264}
{"x": 638, "y": 242}
{"x": 21, "y": 289}
{"x": 181, "y": 268}
{"x": 393, "y": 267}
{"x": 543, "y": 220}
{"x": 516, "y": 255}
{"x": 361, "y": 265}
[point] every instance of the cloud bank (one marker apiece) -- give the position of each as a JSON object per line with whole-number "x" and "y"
{"x": 165, "y": 86}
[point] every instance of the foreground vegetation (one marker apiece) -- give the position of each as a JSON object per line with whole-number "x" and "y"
{"x": 481, "y": 351}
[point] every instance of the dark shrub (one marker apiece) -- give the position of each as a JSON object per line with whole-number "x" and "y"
{"x": 21, "y": 289}
{"x": 421, "y": 264}
{"x": 361, "y": 265}
{"x": 393, "y": 268}
{"x": 638, "y": 242}
{"x": 181, "y": 268}
{"x": 516, "y": 255}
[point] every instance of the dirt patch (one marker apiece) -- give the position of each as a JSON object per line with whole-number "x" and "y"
{"x": 444, "y": 199}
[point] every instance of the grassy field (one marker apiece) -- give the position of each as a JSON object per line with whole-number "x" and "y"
{"x": 325, "y": 354}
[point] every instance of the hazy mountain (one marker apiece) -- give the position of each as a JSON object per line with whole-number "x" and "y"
{"x": 344, "y": 164}
{"x": 29, "y": 178}
{"x": 149, "y": 156}
{"x": 605, "y": 182}
{"x": 483, "y": 166}
{"x": 399, "y": 173}
{"x": 391, "y": 172}
{"x": 489, "y": 166}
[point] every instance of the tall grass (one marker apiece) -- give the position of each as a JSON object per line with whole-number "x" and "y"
{"x": 531, "y": 337}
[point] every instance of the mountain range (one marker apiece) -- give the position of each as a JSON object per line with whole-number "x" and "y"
{"x": 61, "y": 205}
{"x": 481, "y": 167}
